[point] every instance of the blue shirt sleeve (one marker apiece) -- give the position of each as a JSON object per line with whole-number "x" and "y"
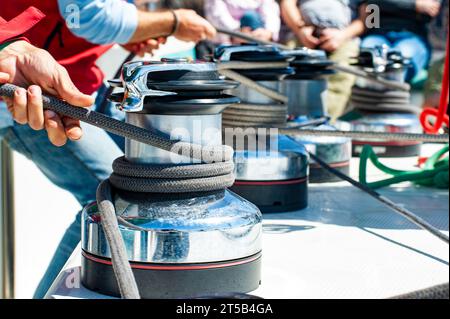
{"x": 101, "y": 21}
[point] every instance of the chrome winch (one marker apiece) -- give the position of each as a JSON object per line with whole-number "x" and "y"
{"x": 376, "y": 109}
{"x": 307, "y": 90}
{"x": 180, "y": 244}
{"x": 271, "y": 169}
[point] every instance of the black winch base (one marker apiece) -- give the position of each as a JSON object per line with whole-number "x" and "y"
{"x": 174, "y": 284}
{"x": 271, "y": 197}
{"x": 390, "y": 150}
{"x": 318, "y": 175}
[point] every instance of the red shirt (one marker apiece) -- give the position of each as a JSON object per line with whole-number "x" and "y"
{"x": 51, "y": 33}
{"x": 19, "y": 25}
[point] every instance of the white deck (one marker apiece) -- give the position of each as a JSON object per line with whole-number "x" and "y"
{"x": 345, "y": 245}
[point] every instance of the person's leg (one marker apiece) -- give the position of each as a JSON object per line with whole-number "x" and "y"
{"x": 433, "y": 86}
{"x": 252, "y": 20}
{"x": 340, "y": 84}
{"x": 415, "y": 48}
{"x": 374, "y": 40}
{"x": 77, "y": 167}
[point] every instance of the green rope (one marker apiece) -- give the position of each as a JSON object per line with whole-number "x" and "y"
{"x": 434, "y": 174}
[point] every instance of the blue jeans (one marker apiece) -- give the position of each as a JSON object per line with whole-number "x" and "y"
{"x": 252, "y": 20}
{"x": 409, "y": 44}
{"x": 77, "y": 167}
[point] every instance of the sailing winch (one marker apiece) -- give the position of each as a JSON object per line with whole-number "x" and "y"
{"x": 185, "y": 235}
{"x": 306, "y": 91}
{"x": 375, "y": 109}
{"x": 272, "y": 172}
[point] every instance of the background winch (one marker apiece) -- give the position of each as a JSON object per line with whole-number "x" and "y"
{"x": 185, "y": 235}
{"x": 375, "y": 109}
{"x": 306, "y": 90}
{"x": 271, "y": 170}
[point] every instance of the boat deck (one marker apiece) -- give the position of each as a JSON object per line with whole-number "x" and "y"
{"x": 344, "y": 245}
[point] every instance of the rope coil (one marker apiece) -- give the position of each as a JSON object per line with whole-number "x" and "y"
{"x": 154, "y": 178}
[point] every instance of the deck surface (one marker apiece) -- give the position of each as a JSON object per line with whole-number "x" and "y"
{"x": 345, "y": 244}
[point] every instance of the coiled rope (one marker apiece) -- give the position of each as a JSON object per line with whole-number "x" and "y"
{"x": 144, "y": 178}
{"x": 215, "y": 173}
{"x": 365, "y": 99}
{"x": 246, "y": 115}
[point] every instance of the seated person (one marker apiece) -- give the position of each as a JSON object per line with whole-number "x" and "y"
{"x": 403, "y": 26}
{"x": 327, "y": 25}
{"x": 259, "y": 18}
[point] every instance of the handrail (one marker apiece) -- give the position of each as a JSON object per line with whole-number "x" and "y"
{"x": 7, "y": 223}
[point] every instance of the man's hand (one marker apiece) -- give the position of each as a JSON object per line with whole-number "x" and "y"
{"x": 148, "y": 46}
{"x": 428, "y": 7}
{"x": 306, "y": 37}
{"x": 331, "y": 39}
{"x": 192, "y": 27}
{"x": 27, "y": 66}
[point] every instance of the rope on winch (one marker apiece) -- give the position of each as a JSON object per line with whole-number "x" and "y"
{"x": 274, "y": 95}
{"x": 370, "y": 100}
{"x": 255, "y": 115}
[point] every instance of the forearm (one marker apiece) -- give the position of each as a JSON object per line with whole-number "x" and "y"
{"x": 291, "y": 15}
{"x": 357, "y": 27}
{"x": 152, "y": 25}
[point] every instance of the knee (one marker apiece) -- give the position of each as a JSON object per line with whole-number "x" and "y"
{"x": 252, "y": 20}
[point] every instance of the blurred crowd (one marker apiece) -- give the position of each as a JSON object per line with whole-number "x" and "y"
{"x": 340, "y": 27}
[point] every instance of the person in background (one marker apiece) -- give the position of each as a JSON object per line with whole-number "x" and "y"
{"x": 76, "y": 39}
{"x": 197, "y": 5}
{"x": 403, "y": 26}
{"x": 259, "y": 18}
{"x": 333, "y": 26}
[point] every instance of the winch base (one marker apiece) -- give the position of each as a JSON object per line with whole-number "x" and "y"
{"x": 407, "y": 150}
{"x": 169, "y": 281}
{"x": 319, "y": 175}
{"x": 274, "y": 196}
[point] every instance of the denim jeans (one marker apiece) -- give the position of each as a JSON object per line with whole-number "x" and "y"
{"x": 77, "y": 167}
{"x": 411, "y": 45}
